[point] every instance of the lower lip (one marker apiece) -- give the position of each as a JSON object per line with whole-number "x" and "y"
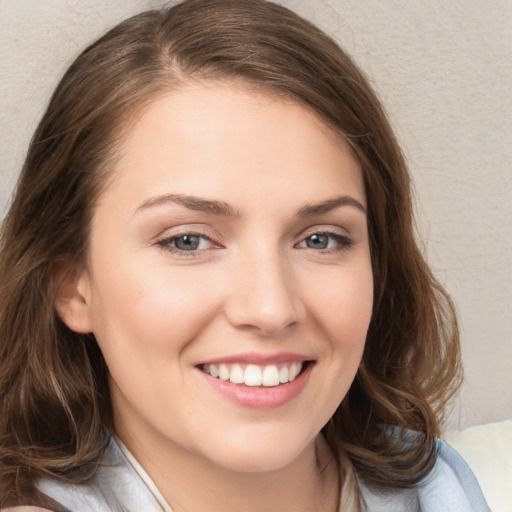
{"x": 260, "y": 397}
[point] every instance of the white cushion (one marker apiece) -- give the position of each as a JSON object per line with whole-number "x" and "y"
{"x": 488, "y": 451}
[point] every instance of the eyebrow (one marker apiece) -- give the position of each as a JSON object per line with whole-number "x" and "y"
{"x": 192, "y": 203}
{"x": 224, "y": 209}
{"x": 312, "y": 209}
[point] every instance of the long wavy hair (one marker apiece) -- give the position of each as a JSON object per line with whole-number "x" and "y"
{"x": 55, "y": 405}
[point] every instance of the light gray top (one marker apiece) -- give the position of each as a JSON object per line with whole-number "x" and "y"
{"x": 121, "y": 485}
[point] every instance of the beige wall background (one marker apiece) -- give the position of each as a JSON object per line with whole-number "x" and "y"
{"x": 443, "y": 70}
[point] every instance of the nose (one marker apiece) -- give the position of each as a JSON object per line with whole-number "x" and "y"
{"x": 263, "y": 296}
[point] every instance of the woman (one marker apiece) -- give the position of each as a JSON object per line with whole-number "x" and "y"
{"x": 212, "y": 298}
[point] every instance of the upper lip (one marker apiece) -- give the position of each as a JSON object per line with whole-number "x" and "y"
{"x": 259, "y": 359}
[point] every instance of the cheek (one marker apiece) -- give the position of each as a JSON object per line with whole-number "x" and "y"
{"x": 343, "y": 305}
{"x": 152, "y": 311}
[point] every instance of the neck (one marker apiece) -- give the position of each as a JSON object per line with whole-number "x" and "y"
{"x": 193, "y": 484}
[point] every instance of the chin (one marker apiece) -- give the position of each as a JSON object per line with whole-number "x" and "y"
{"x": 262, "y": 453}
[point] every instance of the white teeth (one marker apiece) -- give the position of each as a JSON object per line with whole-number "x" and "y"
{"x": 270, "y": 376}
{"x": 295, "y": 370}
{"x": 223, "y": 372}
{"x": 254, "y": 375}
{"x": 284, "y": 375}
{"x": 214, "y": 371}
{"x": 237, "y": 374}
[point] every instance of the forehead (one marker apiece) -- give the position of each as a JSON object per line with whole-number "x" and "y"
{"x": 208, "y": 135}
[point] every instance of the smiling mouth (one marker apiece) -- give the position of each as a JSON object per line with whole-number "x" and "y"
{"x": 253, "y": 375}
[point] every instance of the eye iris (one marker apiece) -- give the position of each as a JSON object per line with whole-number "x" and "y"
{"x": 187, "y": 242}
{"x": 317, "y": 241}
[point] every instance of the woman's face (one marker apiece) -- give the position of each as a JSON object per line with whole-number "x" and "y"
{"x": 229, "y": 253}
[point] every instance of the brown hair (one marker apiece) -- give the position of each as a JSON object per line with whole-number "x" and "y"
{"x": 54, "y": 395}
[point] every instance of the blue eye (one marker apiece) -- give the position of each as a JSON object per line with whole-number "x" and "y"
{"x": 317, "y": 241}
{"x": 187, "y": 242}
{"x": 326, "y": 241}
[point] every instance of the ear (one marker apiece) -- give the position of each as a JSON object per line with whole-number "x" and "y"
{"x": 73, "y": 300}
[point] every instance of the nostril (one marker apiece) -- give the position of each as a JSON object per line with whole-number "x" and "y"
{"x": 264, "y": 319}
{"x": 263, "y": 300}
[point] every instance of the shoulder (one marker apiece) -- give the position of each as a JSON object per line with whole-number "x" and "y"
{"x": 115, "y": 486}
{"x": 450, "y": 485}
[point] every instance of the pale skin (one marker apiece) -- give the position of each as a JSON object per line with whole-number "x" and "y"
{"x": 235, "y": 226}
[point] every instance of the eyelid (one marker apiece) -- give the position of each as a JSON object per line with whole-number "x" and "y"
{"x": 325, "y": 230}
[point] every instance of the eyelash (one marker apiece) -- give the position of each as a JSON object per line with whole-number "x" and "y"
{"x": 343, "y": 242}
{"x": 167, "y": 243}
